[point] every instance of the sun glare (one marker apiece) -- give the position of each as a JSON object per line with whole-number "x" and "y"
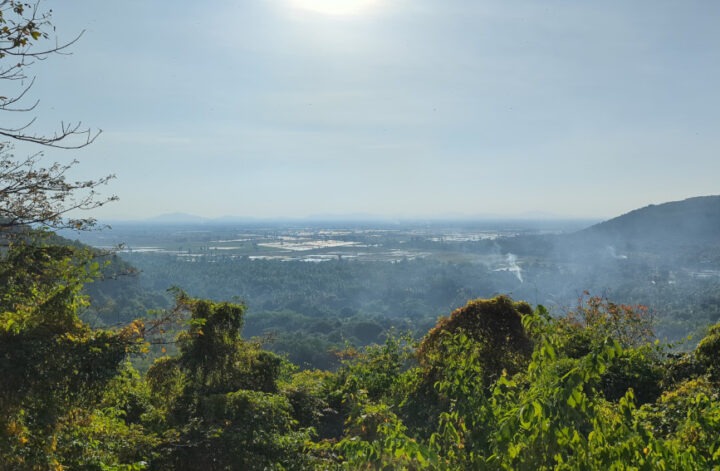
{"x": 335, "y": 7}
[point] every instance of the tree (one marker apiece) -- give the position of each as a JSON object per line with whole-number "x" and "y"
{"x": 32, "y": 193}
{"x": 221, "y": 399}
{"x": 55, "y": 368}
{"x": 24, "y": 29}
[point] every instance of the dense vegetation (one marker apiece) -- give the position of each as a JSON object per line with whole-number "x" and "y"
{"x": 308, "y": 310}
{"x": 664, "y": 257}
{"x": 495, "y": 385}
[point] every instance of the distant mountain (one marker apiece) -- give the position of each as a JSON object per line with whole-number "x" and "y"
{"x": 690, "y": 222}
{"x": 177, "y": 218}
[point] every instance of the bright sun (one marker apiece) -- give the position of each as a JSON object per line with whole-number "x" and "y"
{"x": 335, "y": 7}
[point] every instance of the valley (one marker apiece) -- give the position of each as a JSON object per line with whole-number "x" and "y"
{"x": 317, "y": 286}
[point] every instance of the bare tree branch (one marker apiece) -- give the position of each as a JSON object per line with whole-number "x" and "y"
{"x": 23, "y": 29}
{"x": 31, "y": 194}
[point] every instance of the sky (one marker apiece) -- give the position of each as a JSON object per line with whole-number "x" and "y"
{"x": 394, "y": 108}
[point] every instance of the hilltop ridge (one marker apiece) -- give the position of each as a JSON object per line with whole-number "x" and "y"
{"x": 691, "y": 221}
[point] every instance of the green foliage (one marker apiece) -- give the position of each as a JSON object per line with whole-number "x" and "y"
{"x": 594, "y": 322}
{"x": 307, "y": 393}
{"x": 464, "y": 426}
{"x": 708, "y": 351}
{"x": 219, "y": 401}
{"x": 55, "y": 368}
{"x": 493, "y": 386}
{"x": 308, "y": 309}
{"x": 377, "y": 439}
{"x": 567, "y": 408}
{"x": 495, "y": 325}
{"x": 493, "y": 343}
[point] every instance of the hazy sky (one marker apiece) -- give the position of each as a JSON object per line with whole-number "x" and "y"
{"x": 405, "y": 108}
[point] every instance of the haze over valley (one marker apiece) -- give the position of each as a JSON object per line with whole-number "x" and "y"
{"x": 404, "y": 275}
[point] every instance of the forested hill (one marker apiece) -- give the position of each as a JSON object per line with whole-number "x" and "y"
{"x": 687, "y": 222}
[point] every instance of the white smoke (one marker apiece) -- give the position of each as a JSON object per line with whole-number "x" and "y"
{"x": 510, "y": 265}
{"x": 513, "y": 267}
{"x": 613, "y": 254}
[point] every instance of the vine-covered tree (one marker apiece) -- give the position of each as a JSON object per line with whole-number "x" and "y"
{"x": 54, "y": 366}
{"x": 220, "y": 398}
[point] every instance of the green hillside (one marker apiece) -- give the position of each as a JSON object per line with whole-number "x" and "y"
{"x": 678, "y": 223}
